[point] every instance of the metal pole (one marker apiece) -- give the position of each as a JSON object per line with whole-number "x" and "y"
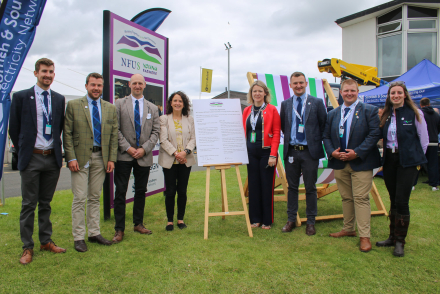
{"x": 229, "y": 77}
{"x": 3, "y": 189}
{"x": 200, "y": 95}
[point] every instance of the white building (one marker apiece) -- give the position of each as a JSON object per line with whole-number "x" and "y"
{"x": 393, "y": 37}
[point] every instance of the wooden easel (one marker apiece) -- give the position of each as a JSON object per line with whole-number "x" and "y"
{"x": 225, "y": 209}
{"x": 325, "y": 189}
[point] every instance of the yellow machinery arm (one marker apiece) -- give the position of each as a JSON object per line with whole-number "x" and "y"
{"x": 362, "y": 74}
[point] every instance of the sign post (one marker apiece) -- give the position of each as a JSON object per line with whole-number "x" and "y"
{"x": 129, "y": 48}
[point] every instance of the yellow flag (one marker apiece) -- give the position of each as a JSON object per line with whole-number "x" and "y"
{"x": 206, "y": 80}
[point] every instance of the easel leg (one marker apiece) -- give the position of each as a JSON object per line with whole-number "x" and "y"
{"x": 224, "y": 192}
{"x": 208, "y": 170}
{"x": 378, "y": 200}
{"x": 246, "y": 213}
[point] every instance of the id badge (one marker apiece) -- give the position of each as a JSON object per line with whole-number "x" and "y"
{"x": 341, "y": 132}
{"x": 48, "y": 129}
{"x": 149, "y": 116}
{"x": 300, "y": 128}
{"x": 393, "y": 149}
{"x": 253, "y": 137}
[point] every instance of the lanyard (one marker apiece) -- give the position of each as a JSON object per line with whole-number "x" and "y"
{"x": 302, "y": 111}
{"x": 393, "y": 129}
{"x": 49, "y": 105}
{"x": 254, "y": 118}
{"x": 344, "y": 119}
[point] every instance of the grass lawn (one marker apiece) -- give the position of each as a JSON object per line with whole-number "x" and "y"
{"x": 229, "y": 261}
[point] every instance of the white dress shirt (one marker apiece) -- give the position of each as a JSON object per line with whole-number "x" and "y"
{"x": 41, "y": 142}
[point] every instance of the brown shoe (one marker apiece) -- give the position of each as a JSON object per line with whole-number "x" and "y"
{"x": 26, "y": 257}
{"x": 52, "y": 248}
{"x": 365, "y": 245}
{"x": 141, "y": 229}
{"x": 100, "y": 240}
{"x": 310, "y": 230}
{"x": 288, "y": 227}
{"x": 119, "y": 235}
{"x": 343, "y": 233}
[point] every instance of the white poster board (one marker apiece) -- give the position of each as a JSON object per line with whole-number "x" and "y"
{"x": 219, "y": 132}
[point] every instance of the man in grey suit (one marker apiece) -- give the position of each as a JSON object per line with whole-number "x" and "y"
{"x": 302, "y": 122}
{"x": 350, "y": 138}
{"x": 35, "y": 126}
{"x": 139, "y": 128}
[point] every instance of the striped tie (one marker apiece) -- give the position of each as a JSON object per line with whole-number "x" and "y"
{"x": 96, "y": 124}
{"x": 137, "y": 122}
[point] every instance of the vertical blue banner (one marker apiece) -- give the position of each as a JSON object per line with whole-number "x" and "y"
{"x": 19, "y": 19}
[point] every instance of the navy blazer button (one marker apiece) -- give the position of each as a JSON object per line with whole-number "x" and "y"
{"x": 91, "y": 138}
{"x": 90, "y": 148}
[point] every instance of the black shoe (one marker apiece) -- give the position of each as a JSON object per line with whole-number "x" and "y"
{"x": 169, "y": 227}
{"x": 398, "y": 249}
{"x": 100, "y": 240}
{"x": 181, "y": 226}
{"x": 387, "y": 243}
{"x": 80, "y": 246}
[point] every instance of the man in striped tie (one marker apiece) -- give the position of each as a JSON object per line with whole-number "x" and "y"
{"x": 139, "y": 127}
{"x": 90, "y": 145}
{"x": 350, "y": 138}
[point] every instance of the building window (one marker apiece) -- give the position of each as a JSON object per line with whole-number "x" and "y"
{"x": 421, "y": 46}
{"x": 389, "y": 52}
{"x": 416, "y": 31}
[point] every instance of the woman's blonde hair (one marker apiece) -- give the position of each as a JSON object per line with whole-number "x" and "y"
{"x": 250, "y": 100}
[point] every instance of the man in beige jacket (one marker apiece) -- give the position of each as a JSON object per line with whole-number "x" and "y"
{"x": 138, "y": 133}
{"x": 90, "y": 144}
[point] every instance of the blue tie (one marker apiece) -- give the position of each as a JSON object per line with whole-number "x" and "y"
{"x": 137, "y": 122}
{"x": 299, "y": 136}
{"x": 344, "y": 137}
{"x": 96, "y": 123}
{"x": 45, "y": 122}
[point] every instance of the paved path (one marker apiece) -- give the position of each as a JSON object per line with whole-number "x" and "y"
{"x": 13, "y": 180}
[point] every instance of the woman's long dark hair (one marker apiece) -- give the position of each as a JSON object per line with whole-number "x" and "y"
{"x": 388, "y": 105}
{"x": 186, "y": 107}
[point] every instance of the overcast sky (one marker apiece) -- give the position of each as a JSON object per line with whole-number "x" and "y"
{"x": 276, "y": 37}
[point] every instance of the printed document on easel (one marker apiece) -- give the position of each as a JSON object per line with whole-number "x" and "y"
{"x": 219, "y": 132}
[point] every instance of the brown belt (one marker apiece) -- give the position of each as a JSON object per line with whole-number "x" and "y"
{"x": 44, "y": 152}
{"x": 391, "y": 150}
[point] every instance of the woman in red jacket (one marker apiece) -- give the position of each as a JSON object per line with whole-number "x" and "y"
{"x": 262, "y": 125}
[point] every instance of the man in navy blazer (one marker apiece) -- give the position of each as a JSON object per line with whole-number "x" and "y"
{"x": 302, "y": 122}
{"x": 350, "y": 138}
{"x": 35, "y": 126}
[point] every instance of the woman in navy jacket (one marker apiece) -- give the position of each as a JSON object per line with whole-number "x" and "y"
{"x": 405, "y": 139}
{"x": 262, "y": 125}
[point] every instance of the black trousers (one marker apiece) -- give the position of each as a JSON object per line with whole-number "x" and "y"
{"x": 122, "y": 176}
{"x": 399, "y": 181}
{"x": 261, "y": 180}
{"x": 38, "y": 183}
{"x": 304, "y": 164}
{"x": 176, "y": 180}
{"x": 432, "y": 157}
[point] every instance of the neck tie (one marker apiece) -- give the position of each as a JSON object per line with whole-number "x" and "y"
{"x": 137, "y": 121}
{"x": 45, "y": 122}
{"x": 96, "y": 123}
{"x": 299, "y": 136}
{"x": 344, "y": 137}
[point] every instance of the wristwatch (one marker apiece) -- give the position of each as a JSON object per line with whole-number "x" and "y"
{"x": 187, "y": 151}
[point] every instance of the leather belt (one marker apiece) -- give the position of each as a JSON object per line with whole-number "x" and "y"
{"x": 96, "y": 148}
{"x": 299, "y": 147}
{"x": 44, "y": 152}
{"x": 391, "y": 150}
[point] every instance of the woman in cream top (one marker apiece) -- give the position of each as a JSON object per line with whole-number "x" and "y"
{"x": 177, "y": 141}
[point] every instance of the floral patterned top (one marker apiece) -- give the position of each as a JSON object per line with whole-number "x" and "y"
{"x": 179, "y": 137}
